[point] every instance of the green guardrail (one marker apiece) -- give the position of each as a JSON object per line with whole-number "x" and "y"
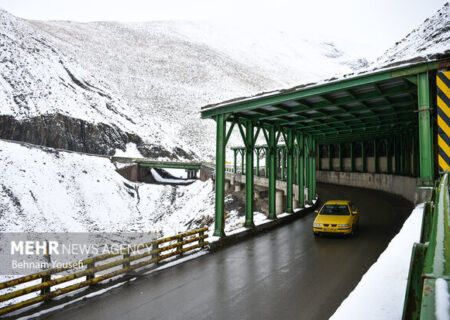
{"x": 428, "y": 288}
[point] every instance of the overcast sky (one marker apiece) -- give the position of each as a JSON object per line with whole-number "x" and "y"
{"x": 377, "y": 24}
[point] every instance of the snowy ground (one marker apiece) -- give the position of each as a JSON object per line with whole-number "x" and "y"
{"x": 48, "y": 191}
{"x": 381, "y": 291}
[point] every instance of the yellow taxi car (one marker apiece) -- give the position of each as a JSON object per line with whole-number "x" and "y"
{"x": 336, "y": 217}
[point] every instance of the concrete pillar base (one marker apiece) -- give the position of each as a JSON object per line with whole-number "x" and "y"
{"x": 279, "y": 200}
{"x": 422, "y": 195}
{"x": 295, "y": 204}
{"x": 227, "y": 185}
{"x": 237, "y": 187}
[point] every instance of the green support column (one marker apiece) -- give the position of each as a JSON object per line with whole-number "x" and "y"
{"x": 375, "y": 157}
{"x": 219, "y": 221}
{"x": 319, "y": 158}
{"x": 352, "y": 158}
{"x": 300, "y": 169}
{"x": 272, "y": 145}
{"x": 416, "y": 156}
{"x": 290, "y": 171}
{"x": 388, "y": 156}
{"x": 309, "y": 168}
{"x": 295, "y": 160}
{"x": 425, "y": 130}
{"x": 242, "y": 161}
{"x": 277, "y": 160}
{"x": 235, "y": 161}
{"x": 341, "y": 167}
{"x": 314, "y": 148}
{"x": 283, "y": 161}
{"x": 258, "y": 151}
{"x": 363, "y": 157}
{"x": 249, "y": 183}
{"x": 266, "y": 169}
{"x": 407, "y": 156}
{"x": 397, "y": 155}
{"x": 402, "y": 155}
{"x": 330, "y": 160}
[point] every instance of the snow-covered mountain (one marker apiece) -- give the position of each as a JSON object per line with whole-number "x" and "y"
{"x": 429, "y": 41}
{"x": 168, "y": 70}
{"x": 48, "y": 98}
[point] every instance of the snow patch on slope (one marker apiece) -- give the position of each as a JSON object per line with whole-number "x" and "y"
{"x": 42, "y": 190}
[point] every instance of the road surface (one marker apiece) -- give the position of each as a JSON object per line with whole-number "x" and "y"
{"x": 284, "y": 274}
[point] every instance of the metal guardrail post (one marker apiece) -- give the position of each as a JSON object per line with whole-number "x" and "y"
{"x": 90, "y": 276}
{"x": 201, "y": 240}
{"x": 126, "y": 264}
{"x": 155, "y": 255}
{"x": 180, "y": 247}
{"x": 46, "y": 278}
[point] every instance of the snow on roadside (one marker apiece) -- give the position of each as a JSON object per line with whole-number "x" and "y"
{"x": 43, "y": 190}
{"x": 382, "y": 289}
{"x": 177, "y": 173}
{"x": 158, "y": 178}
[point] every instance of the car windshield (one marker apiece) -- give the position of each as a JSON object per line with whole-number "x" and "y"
{"x": 335, "y": 210}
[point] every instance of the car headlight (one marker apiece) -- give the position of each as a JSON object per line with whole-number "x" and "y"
{"x": 343, "y": 225}
{"x": 317, "y": 224}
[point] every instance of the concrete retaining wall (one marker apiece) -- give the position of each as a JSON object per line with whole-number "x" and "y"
{"x": 130, "y": 172}
{"x": 399, "y": 185}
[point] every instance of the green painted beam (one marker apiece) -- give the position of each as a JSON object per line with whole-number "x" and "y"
{"x": 280, "y": 97}
{"x": 170, "y": 165}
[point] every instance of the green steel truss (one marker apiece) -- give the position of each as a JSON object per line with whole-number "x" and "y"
{"x": 373, "y": 106}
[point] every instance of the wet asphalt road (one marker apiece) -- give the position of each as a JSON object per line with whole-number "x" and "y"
{"x": 284, "y": 274}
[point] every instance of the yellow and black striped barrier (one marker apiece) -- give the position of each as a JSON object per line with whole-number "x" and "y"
{"x": 443, "y": 119}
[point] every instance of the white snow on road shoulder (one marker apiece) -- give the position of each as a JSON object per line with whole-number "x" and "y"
{"x": 442, "y": 300}
{"x": 382, "y": 289}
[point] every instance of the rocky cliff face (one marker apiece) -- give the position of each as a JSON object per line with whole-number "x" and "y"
{"x": 63, "y": 132}
{"x": 47, "y": 98}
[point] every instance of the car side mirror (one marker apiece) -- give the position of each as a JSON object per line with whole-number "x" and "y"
{"x": 355, "y": 212}
{"x": 316, "y": 211}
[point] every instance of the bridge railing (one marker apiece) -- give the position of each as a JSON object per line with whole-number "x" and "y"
{"x": 429, "y": 273}
{"x": 51, "y": 283}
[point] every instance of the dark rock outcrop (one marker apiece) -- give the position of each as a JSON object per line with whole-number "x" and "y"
{"x": 63, "y": 132}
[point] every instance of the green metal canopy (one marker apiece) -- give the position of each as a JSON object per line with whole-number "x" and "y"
{"x": 375, "y": 104}
{"x": 371, "y": 106}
